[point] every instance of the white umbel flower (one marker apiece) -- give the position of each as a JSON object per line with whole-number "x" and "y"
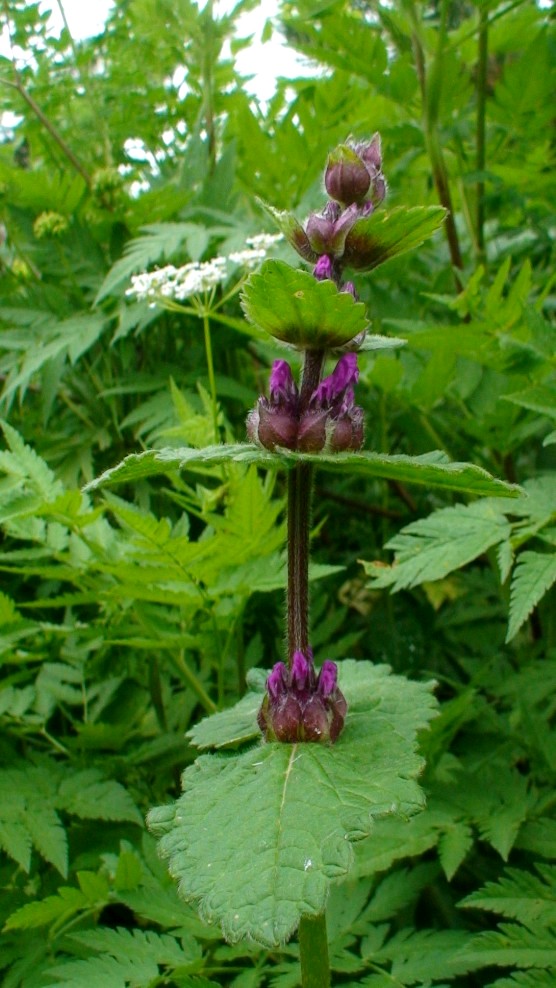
{"x": 248, "y": 258}
{"x": 195, "y": 278}
{"x": 264, "y": 241}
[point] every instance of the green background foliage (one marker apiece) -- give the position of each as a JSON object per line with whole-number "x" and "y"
{"x": 129, "y": 612}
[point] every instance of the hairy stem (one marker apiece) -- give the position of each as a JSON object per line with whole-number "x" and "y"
{"x": 299, "y": 519}
{"x": 313, "y": 952}
{"x": 299, "y": 511}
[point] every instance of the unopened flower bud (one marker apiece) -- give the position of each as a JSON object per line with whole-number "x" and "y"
{"x": 349, "y": 288}
{"x": 354, "y": 173}
{"x": 316, "y": 720}
{"x": 286, "y": 720}
{"x": 323, "y": 268}
{"x": 347, "y": 178}
{"x": 50, "y": 224}
{"x": 327, "y": 235}
{"x": 274, "y": 420}
{"x": 301, "y": 706}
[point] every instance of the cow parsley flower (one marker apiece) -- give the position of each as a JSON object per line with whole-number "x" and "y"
{"x": 249, "y": 258}
{"x": 264, "y": 241}
{"x": 195, "y": 278}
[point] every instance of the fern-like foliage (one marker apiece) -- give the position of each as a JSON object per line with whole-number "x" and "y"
{"x": 433, "y": 547}
{"x": 35, "y": 799}
{"x": 123, "y": 958}
{"x": 529, "y": 899}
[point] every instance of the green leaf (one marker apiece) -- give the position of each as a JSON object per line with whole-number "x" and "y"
{"x": 28, "y": 817}
{"x": 398, "y": 890}
{"x": 432, "y": 547}
{"x": 430, "y": 469}
{"x": 24, "y": 465}
{"x": 89, "y": 795}
{"x": 520, "y": 895}
{"x": 292, "y": 230}
{"x": 380, "y": 237}
{"x": 453, "y": 846}
{"x": 535, "y": 978}
{"x": 376, "y": 342}
{"x": 419, "y": 956}
{"x": 534, "y": 574}
{"x": 123, "y": 958}
{"x": 539, "y": 399}
{"x": 294, "y": 307}
{"x": 61, "y": 906}
{"x": 15, "y": 839}
{"x": 539, "y": 837}
{"x": 229, "y": 727}
{"x": 288, "y": 813}
{"x": 512, "y": 945}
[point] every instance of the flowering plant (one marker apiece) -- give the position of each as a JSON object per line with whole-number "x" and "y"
{"x": 310, "y": 756}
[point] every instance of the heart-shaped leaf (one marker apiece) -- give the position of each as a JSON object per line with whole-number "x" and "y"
{"x": 288, "y": 814}
{"x": 293, "y": 306}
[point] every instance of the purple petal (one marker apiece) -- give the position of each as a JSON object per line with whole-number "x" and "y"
{"x": 348, "y": 401}
{"x": 332, "y": 210}
{"x": 370, "y": 152}
{"x": 276, "y": 682}
{"x": 349, "y": 289}
{"x": 328, "y": 678}
{"x": 323, "y": 268}
{"x": 333, "y": 387}
{"x": 282, "y": 384}
{"x": 300, "y": 671}
{"x": 320, "y": 232}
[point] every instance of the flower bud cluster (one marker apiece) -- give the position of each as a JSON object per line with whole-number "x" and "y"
{"x": 330, "y": 421}
{"x": 356, "y": 186}
{"x": 50, "y": 224}
{"x": 300, "y": 705}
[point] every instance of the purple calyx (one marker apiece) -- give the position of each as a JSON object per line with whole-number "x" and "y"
{"x": 301, "y": 704}
{"x": 330, "y": 421}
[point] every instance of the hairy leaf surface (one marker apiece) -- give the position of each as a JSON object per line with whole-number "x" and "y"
{"x": 430, "y": 469}
{"x": 288, "y": 814}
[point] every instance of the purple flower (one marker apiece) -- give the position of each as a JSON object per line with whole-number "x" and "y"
{"x": 274, "y": 420}
{"x": 300, "y": 705}
{"x": 323, "y": 268}
{"x": 327, "y": 231}
{"x": 333, "y": 420}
